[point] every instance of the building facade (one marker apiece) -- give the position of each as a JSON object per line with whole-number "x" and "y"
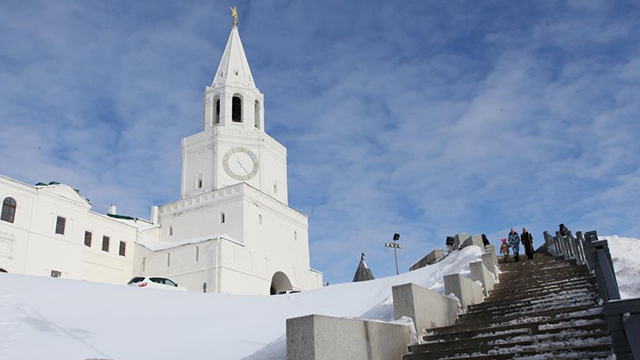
{"x": 231, "y": 231}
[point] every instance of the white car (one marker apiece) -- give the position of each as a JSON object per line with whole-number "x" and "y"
{"x": 155, "y": 283}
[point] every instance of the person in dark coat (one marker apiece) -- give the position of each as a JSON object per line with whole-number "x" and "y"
{"x": 563, "y": 230}
{"x": 527, "y": 242}
{"x": 485, "y": 241}
{"x": 449, "y": 242}
{"x": 514, "y": 243}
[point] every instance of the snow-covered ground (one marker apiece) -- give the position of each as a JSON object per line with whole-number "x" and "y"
{"x": 625, "y": 253}
{"x": 46, "y": 318}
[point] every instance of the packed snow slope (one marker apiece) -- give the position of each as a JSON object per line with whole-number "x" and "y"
{"x": 625, "y": 253}
{"x": 57, "y": 319}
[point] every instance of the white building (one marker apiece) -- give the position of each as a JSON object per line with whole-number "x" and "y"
{"x": 232, "y": 230}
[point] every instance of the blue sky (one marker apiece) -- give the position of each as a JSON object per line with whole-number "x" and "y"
{"x": 419, "y": 117}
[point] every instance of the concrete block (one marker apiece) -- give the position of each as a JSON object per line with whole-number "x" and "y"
{"x": 491, "y": 263}
{"x": 431, "y": 258}
{"x": 459, "y": 239}
{"x": 472, "y": 240}
{"x": 479, "y": 272}
{"x": 427, "y": 308}
{"x": 317, "y": 337}
{"x": 467, "y": 291}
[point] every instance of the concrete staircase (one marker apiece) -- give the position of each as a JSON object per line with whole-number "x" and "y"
{"x": 546, "y": 308}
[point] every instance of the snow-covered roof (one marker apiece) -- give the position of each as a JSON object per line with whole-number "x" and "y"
{"x": 163, "y": 245}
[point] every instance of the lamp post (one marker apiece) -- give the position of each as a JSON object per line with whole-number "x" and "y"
{"x": 395, "y": 246}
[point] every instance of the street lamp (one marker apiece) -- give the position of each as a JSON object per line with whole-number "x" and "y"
{"x": 395, "y": 246}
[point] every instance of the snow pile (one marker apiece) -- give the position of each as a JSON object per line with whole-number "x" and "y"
{"x": 625, "y": 253}
{"x": 46, "y": 318}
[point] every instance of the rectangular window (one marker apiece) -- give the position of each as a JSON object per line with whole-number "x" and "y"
{"x": 105, "y": 243}
{"x": 56, "y": 273}
{"x": 168, "y": 259}
{"x": 87, "y": 238}
{"x": 123, "y": 248}
{"x": 60, "y": 222}
{"x": 197, "y": 253}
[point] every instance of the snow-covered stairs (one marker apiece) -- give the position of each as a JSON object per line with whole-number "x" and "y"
{"x": 546, "y": 308}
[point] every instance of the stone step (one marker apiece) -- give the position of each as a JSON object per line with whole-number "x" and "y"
{"x": 583, "y": 353}
{"x": 544, "y": 274}
{"x": 505, "y": 293}
{"x": 520, "y": 306}
{"x": 585, "y": 316}
{"x": 527, "y": 334}
{"x": 538, "y": 297}
{"x": 529, "y": 311}
{"x": 496, "y": 347}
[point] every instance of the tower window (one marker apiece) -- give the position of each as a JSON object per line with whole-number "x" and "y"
{"x": 199, "y": 181}
{"x": 257, "y": 114}
{"x": 8, "y": 210}
{"x": 105, "y": 243}
{"x": 236, "y": 109}
{"x": 87, "y": 238}
{"x": 197, "y": 253}
{"x": 123, "y": 248}
{"x": 222, "y": 218}
{"x": 170, "y": 230}
{"x": 275, "y": 189}
{"x": 295, "y": 235}
{"x": 168, "y": 259}
{"x": 260, "y": 219}
{"x": 60, "y": 223}
{"x": 216, "y": 119}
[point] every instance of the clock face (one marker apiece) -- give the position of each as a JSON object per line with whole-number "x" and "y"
{"x": 240, "y": 163}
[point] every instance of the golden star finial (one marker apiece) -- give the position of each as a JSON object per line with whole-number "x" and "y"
{"x": 234, "y": 14}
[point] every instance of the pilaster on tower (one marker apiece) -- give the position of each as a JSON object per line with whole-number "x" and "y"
{"x": 233, "y": 100}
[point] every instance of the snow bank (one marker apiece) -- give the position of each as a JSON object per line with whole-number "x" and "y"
{"x": 46, "y": 318}
{"x": 625, "y": 253}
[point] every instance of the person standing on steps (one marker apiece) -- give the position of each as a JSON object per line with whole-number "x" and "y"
{"x": 514, "y": 243}
{"x": 504, "y": 249}
{"x": 485, "y": 241}
{"x": 563, "y": 230}
{"x": 527, "y": 242}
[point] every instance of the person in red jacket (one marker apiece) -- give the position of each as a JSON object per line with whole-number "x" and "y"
{"x": 504, "y": 249}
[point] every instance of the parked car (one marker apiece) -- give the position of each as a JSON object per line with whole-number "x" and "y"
{"x": 155, "y": 283}
{"x": 290, "y": 291}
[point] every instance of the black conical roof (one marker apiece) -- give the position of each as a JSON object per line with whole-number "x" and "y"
{"x": 363, "y": 273}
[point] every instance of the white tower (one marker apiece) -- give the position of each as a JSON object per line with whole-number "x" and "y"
{"x": 233, "y": 146}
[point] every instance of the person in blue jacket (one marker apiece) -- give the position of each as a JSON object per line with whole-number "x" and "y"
{"x": 514, "y": 243}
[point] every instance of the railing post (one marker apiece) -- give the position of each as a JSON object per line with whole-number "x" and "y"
{"x": 603, "y": 266}
{"x": 580, "y": 240}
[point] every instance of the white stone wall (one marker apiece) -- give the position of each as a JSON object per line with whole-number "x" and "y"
{"x": 35, "y": 249}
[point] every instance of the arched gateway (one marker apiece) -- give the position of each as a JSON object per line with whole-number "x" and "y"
{"x": 280, "y": 282}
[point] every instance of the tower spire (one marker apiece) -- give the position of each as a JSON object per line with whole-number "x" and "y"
{"x": 234, "y": 67}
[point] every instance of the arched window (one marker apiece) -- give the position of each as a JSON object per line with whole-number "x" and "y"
{"x": 216, "y": 118}
{"x": 257, "y": 114}
{"x": 199, "y": 181}
{"x": 236, "y": 109}
{"x": 8, "y": 210}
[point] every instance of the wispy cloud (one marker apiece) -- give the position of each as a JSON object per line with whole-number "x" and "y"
{"x": 420, "y": 118}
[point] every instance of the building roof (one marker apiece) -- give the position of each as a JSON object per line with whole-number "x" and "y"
{"x": 234, "y": 67}
{"x": 363, "y": 273}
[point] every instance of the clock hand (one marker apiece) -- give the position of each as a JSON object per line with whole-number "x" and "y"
{"x": 242, "y": 166}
